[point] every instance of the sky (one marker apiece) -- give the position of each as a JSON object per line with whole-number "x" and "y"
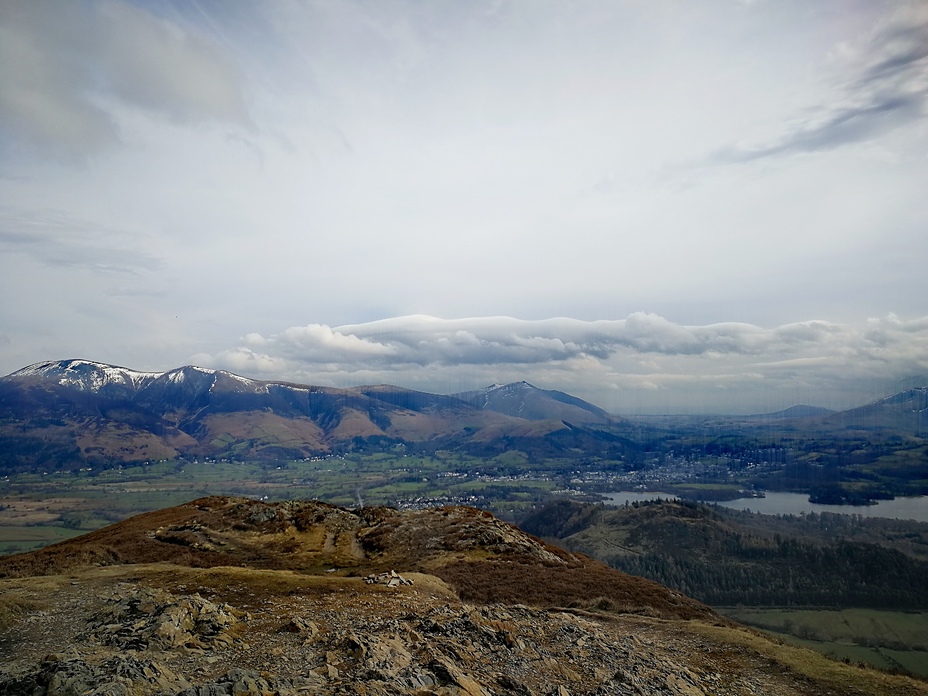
{"x": 660, "y": 206}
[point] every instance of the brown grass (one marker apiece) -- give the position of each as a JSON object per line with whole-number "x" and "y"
{"x": 23, "y": 596}
{"x": 590, "y": 585}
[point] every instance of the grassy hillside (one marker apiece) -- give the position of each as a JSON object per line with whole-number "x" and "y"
{"x": 886, "y": 639}
{"x": 728, "y": 559}
{"x": 828, "y": 582}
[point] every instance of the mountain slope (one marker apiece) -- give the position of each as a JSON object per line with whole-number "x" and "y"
{"x": 904, "y": 412}
{"x": 523, "y": 400}
{"x": 484, "y": 558}
{"x": 69, "y": 412}
{"x": 709, "y": 554}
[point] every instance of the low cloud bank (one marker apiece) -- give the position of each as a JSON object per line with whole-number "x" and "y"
{"x": 642, "y": 353}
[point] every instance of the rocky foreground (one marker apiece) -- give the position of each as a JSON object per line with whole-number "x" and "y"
{"x": 326, "y": 617}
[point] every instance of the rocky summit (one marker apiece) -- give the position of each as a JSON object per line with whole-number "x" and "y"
{"x": 234, "y": 596}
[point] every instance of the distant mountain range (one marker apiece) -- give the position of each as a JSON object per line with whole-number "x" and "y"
{"x": 905, "y": 411}
{"x": 71, "y": 413}
{"x": 64, "y": 413}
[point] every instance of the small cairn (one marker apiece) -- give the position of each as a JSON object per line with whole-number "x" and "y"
{"x": 391, "y": 579}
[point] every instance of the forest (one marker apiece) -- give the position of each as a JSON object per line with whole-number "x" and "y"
{"x": 726, "y": 558}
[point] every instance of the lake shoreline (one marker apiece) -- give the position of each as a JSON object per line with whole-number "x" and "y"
{"x": 779, "y": 503}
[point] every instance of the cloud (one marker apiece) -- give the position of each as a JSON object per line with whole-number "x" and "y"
{"x": 57, "y": 239}
{"x": 641, "y": 363}
{"x": 162, "y": 67}
{"x": 884, "y": 87}
{"x": 432, "y": 158}
{"x": 67, "y": 68}
{"x": 672, "y": 353}
{"x": 421, "y": 340}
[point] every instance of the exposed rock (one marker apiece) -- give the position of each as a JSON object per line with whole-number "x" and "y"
{"x": 300, "y": 625}
{"x": 156, "y": 619}
{"x": 391, "y": 579}
{"x": 237, "y": 682}
{"x": 117, "y": 676}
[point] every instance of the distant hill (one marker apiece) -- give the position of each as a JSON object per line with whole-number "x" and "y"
{"x": 725, "y": 557}
{"x": 69, "y": 413}
{"x": 469, "y": 549}
{"x": 799, "y": 411}
{"x": 523, "y": 400}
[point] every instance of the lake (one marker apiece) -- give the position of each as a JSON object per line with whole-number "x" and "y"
{"x": 797, "y": 503}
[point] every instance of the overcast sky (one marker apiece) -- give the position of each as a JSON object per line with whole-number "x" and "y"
{"x": 656, "y": 205}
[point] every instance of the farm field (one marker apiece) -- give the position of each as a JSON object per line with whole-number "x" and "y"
{"x": 40, "y": 509}
{"x": 889, "y": 640}
{"x": 15, "y": 539}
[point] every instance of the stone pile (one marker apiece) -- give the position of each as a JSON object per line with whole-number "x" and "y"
{"x": 391, "y": 579}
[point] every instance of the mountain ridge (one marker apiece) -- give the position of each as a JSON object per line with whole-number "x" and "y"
{"x": 469, "y": 549}
{"x": 80, "y": 411}
{"x": 525, "y": 400}
{"x": 73, "y": 413}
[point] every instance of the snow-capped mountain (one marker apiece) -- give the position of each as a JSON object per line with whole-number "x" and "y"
{"x": 87, "y": 375}
{"x": 91, "y": 376}
{"x": 61, "y": 413}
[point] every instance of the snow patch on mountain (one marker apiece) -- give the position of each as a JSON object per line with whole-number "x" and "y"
{"x": 87, "y": 375}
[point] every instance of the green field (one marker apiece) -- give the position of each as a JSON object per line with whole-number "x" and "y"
{"x": 14, "y": 539}
{"x": 40, "y": 509}
{"x": 886, "y": 639}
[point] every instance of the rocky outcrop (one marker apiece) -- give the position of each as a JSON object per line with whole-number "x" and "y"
{"x": 238, "y": 682}
{"x": 155, "y": 619}
{"x": 116, "y": 676}
{"x": 483, "y": 558}
{"x": 294, "y": 634}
